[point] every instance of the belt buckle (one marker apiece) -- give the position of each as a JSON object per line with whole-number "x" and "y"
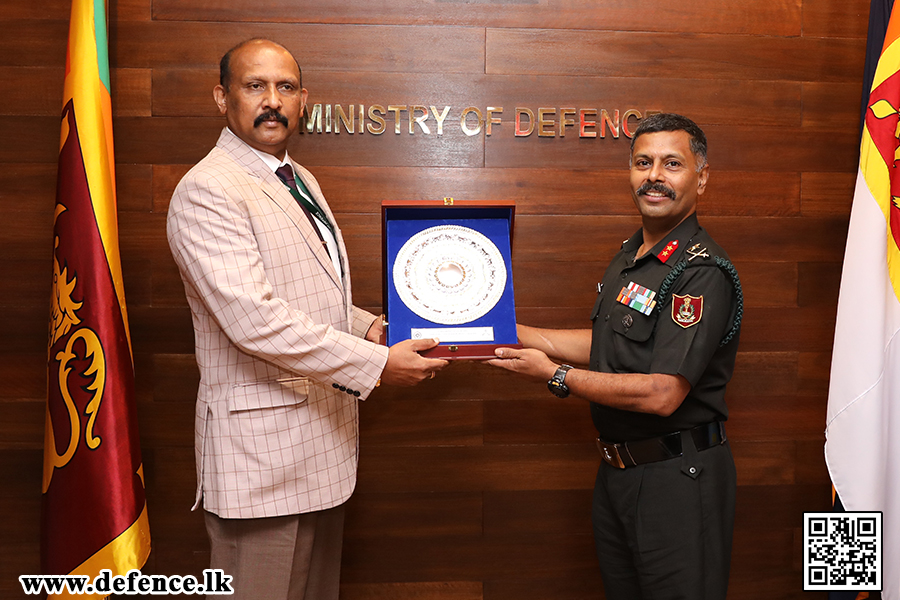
{"x": 610, "y": 454}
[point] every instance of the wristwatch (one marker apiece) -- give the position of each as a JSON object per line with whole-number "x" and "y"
{"x": 557, "y": 384}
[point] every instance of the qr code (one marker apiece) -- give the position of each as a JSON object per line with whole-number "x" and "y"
{"x": 842, "y": 551}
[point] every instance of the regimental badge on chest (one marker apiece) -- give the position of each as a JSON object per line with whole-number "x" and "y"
{"x": 686, "y": 310}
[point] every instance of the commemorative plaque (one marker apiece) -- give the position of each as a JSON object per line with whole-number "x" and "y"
{"x": 448, "y": 275}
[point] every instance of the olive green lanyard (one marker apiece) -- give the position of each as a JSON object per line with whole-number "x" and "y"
{"x": 305, "y": 198}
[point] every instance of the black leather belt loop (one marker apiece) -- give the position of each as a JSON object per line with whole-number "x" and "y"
{"x": 631, "y": 454}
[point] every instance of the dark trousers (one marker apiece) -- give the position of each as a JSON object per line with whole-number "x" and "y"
{"x": 663, "y": 532}
{"x": 295, "y": 557}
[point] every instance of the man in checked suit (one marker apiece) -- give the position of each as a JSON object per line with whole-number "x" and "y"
{"x": 283, "y": 354}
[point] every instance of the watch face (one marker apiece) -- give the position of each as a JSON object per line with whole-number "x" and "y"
{"x": 557, "y": 383}
{"x": 558, "y": 389}
{"x": 449, "y": 274}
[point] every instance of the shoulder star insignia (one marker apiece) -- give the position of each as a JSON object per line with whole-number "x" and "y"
{"x": 668, "y": 251}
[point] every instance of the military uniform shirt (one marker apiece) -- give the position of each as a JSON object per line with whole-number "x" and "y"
{"x": 684, "y": 341}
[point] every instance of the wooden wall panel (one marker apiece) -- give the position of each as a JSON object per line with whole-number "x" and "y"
{"x": 31, "y": 239}
{"x": 432, "y": 423}
{"x": 26, "y": 200}
{"x": 818, "y": 284}
{"x": 773, "y": 329}
{"x": 529, "y": 419}
{"x": 164, "y": 180}
{"x": 22, "y": 428}
{"x": 52, "y": 9}
{"x": 757, "y": 16}
{"x": 807, "y": 240}
{"x": 467, "y": 558}
{"x": 25, "y": 186}
{"x": 563, "y": 191}
{"x": 21, "y": 289}
{"x": 420, "y": 515}
{"x": 130, "y": 10}
{"x": 42, "y": 95}
{"x": 476, "y": 485}
{"x": 811, "y": 466}
{"x": 542, "y": 511}
{"x": 39, "y": 42}
{"x": 539, "y": 191}
{"x": 317, "y": 47}
{"x": 467, "y": 468}
{"x": 32, "y": 140}
{"x": 833, "y": 106}
{"x": 131, "y": 92}
{"x": 827, "y": 193}
{"x": 60, "y": 9}
{"x": 150, "y": 140}
{"x": 763, "y": 417}
{"x": 22, "y": 378}
{"x": 704, "y": 56}
{"x": 133, "y": 188}
{"x": 448, "y": 590}
{"x": 20, "y": 529}
{"x": 584, "y": 587}
{"x": 733, "y": 148}
{"x": 824, "y": 18}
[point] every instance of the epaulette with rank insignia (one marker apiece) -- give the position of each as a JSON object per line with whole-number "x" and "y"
{"x": 698, "y": 252}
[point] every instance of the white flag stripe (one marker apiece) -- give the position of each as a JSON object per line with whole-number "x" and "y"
{"x": 862, "y": 455}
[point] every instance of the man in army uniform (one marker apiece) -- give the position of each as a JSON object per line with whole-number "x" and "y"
{"x": 659, "y": 354}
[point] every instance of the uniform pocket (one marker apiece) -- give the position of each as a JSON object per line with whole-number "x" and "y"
{"x": 631, "y": 324}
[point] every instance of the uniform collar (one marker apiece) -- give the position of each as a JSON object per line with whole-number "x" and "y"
{"x": 671, "y": 246}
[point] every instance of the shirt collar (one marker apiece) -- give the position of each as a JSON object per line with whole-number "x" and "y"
{"x": 271, "y": 161}
{"x": 671, "y": 245}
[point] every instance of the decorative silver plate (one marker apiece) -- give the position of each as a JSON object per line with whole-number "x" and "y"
{"x": 449, "y": 274}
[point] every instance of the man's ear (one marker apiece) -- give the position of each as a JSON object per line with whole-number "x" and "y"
{"x": 304, "y": 95}
{"x": 704, "y": 177}
{"x": 219, "y": 97}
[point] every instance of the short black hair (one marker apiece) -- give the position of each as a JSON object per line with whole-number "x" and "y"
{"x": 225, "y": 63}
{"x": 674, "y": 122}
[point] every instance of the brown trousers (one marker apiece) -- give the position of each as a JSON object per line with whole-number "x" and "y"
{"x": 295, "y": 557}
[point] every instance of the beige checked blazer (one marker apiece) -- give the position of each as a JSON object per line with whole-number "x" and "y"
{"x": 278, "y": 342}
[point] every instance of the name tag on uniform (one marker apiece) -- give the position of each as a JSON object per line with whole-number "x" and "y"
{"x": 638, "y": 297}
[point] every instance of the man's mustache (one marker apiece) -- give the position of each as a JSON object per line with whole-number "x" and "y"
{"x": 270, "y": 115}
{"x": 656, "y": 187}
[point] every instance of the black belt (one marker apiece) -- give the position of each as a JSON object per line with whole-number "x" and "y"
{"x": 631, "y": 454}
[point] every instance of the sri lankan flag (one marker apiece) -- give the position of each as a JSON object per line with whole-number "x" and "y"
{"x": 94, "y": 509}
{"x": 862, "y": 447}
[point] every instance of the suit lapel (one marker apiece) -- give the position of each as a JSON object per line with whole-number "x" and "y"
{"x": 313, "y": 188}
{"x": 273, "y": 187}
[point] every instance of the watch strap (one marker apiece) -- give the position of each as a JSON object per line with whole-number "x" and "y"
{"x": 557, "y": 383}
